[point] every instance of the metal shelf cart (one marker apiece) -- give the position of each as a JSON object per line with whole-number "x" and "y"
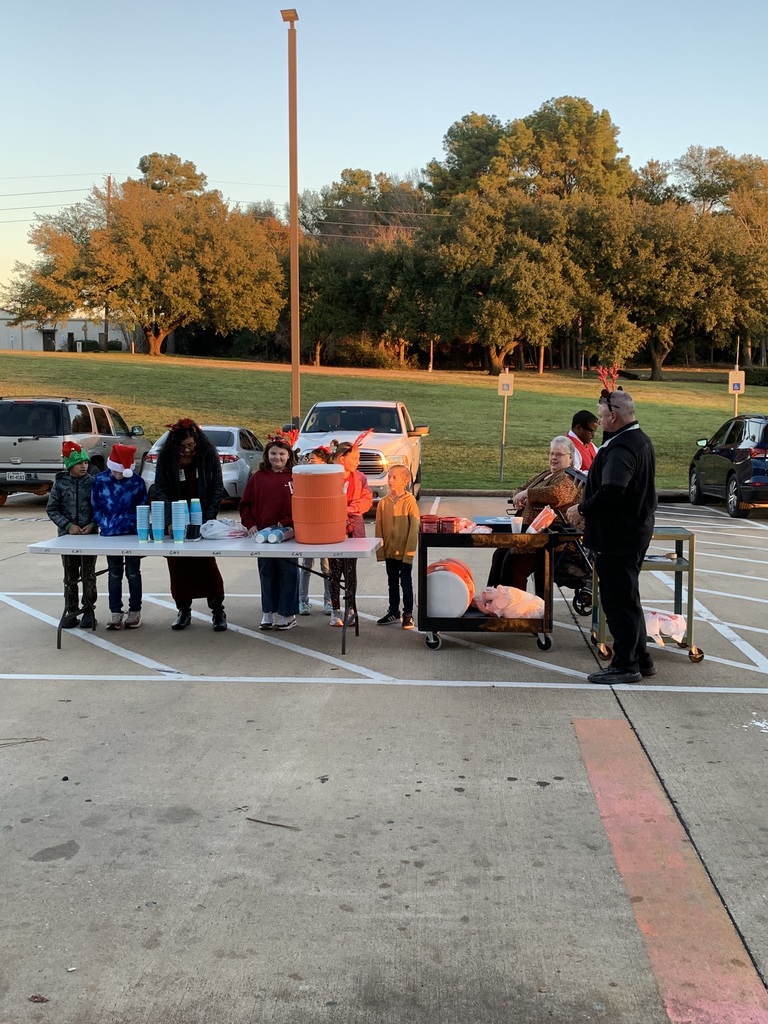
{"x": 474, "y": 621}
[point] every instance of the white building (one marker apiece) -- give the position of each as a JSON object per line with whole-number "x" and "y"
{"x": 64, "y": 336}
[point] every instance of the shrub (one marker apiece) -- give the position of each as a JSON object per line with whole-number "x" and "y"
{"x": 756, "y": 375}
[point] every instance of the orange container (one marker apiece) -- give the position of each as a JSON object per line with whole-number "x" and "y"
{"x": 450, "y": 588}
{"x": 319, "y": 504}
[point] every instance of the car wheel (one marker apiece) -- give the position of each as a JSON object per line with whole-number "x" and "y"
{"x": 733, "y": 499}
{"x": 694, "y": 489}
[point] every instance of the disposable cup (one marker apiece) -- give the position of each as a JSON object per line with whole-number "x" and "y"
{"x": 517, "y": 524}
{"x": 143, "y": 532}
{"x": 178, "y": 533}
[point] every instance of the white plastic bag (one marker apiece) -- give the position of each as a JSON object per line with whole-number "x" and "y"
{"x": 509, "y": 603}
{"x": 220, "y": 529}
{"x": 666, "y": 623}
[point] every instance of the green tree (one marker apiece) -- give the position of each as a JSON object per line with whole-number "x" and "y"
{"x": 163, "y": 253}
{"x": 563, "y": 147}
{"x": 470, "y": 146}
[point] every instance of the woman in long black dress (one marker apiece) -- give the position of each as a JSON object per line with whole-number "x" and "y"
{"x": 188, "y": 466}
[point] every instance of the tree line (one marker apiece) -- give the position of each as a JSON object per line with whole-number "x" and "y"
{"x": 532, "y": 240}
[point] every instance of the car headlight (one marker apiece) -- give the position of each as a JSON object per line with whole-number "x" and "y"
{"x": 395, "y": 460}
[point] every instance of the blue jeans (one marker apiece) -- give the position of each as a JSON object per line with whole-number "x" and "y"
{"x": 132, "y": 564}
{"x": 307, "y": 563}
{"x": 279, "y": 585}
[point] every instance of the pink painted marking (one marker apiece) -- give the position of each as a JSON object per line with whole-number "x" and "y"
{"x": 698, "y": 959}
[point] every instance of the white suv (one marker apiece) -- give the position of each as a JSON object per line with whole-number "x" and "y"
{"x": 394, "y": 441}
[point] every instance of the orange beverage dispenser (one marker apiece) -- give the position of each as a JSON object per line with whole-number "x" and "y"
{"x": 319, "y": 504}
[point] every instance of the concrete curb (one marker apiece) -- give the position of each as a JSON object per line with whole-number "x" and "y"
{"x": 665, "y": 495}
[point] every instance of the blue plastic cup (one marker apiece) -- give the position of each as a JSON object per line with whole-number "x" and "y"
{"x": 142, "y": 523}
{"x": 179, "y": 529}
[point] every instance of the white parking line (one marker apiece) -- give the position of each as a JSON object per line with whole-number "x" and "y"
{"x": 491, "y": 684}
{"x": 90, "y": 637}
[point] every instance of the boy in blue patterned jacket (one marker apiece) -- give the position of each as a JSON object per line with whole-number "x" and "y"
{"x": 115, "y": 495}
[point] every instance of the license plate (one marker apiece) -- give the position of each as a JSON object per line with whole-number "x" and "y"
{"x": 16, "y": 477}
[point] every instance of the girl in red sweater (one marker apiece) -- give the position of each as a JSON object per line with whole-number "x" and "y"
{"x": 266, "y": 502}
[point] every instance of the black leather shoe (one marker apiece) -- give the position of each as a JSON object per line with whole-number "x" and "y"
{"x": 183, "y": 619}
{"x": 609, "y": 676}
{"x": 88, "y": 620}
{"x": 219, "y": 620}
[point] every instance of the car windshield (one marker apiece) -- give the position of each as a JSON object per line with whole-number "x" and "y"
{"x": 220, "y": 438}
{"x": 30, "y": 419}
{"x": 356, "y": 418}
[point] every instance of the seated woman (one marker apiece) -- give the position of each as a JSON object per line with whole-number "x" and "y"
{"x": 553, "y": 487}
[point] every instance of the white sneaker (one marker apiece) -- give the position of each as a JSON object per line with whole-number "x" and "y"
{"x": 133, "y": 620}
{"x": 267, "y": 620}
{"x": 285, "y": 621}
{"x": 115, "y": 621}
{"x": 336, "y": 619}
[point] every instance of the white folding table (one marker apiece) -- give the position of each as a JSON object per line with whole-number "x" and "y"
{"x": 236, "y": 547}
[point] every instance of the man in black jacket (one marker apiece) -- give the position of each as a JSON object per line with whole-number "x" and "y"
{"x": 618, "y": 507}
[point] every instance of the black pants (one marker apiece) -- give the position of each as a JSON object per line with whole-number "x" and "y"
{"x": 79, "y": 569}
{"x": 399, "y": 574}
{"x": 619, "y": 577}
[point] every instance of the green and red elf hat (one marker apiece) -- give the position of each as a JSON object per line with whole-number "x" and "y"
{"x": 72, "y": 453}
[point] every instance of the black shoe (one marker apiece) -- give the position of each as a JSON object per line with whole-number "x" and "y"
{"x": 69, "y": 622}
{"x": 219, "y": 620}
{"x": 648, "y": 670}
{"x": 385, "y": 620}
{"x": 88, "y": 621}
{"x": 183, "y": 619}
{"x": 609, "y": 676}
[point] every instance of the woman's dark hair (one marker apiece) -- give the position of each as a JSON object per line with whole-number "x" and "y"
{"x": 169, "y": 455}
{"x": 292, "y": 460}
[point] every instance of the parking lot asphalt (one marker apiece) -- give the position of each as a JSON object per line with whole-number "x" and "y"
{"x": 232, "y": 827}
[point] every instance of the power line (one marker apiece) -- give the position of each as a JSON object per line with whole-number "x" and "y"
{"x": 32, "y": 177}
{"x": 45, "y": 206}
{"x": 48, "y": 192}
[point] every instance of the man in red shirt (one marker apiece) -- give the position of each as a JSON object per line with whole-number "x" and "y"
{"x": 582, "y": 432}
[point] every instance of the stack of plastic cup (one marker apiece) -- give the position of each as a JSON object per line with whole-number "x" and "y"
{"x": 158, "y": 520}
{"x": 195, "y": 519}
{"x": 179, "y": 521}
{"x": 142, "y": 523}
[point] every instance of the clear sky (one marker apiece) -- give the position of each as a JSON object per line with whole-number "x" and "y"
{"x": 89, "y": 87}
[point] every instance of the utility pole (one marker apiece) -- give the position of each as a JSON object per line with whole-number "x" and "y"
{"x": 106, "y": 299}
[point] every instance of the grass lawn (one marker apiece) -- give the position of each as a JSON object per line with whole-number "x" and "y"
{"x": 463, "y": 410}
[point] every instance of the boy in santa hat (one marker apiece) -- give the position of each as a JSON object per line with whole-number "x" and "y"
{"x": 69, "y": 507}
{"x": 116, "y": 494}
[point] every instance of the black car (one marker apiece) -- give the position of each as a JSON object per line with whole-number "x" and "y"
{"x": 732, "y": 466}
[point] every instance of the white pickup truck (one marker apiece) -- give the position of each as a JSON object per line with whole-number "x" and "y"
{"x": 394, "y": 441}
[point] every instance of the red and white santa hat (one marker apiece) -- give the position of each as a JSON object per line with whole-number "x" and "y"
{"x": 121, "y": 458}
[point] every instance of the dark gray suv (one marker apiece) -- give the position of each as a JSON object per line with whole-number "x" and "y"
{"x": 32, "y": 431}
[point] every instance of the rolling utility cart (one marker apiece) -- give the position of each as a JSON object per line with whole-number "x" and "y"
{"x": 682, "y": 565}
{"x": 473, "y": 620}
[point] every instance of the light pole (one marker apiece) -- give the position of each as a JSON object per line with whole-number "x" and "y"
{"x": 291, "y": 17}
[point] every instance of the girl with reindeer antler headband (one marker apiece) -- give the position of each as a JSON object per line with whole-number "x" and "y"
{"x": 359, "y": 501}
